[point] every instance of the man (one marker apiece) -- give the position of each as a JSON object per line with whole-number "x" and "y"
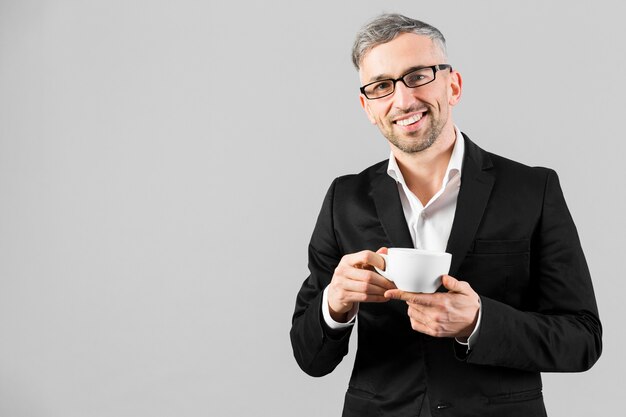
{"x": 518, "y": 299}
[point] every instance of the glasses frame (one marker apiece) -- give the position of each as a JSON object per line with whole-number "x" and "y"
{"x": 434, "y": 68}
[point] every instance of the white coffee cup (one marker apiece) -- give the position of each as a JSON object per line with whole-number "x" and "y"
{"x": 415, "y": 270}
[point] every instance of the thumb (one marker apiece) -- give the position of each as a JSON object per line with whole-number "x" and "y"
{"x": 452, "y": 284}
{"x": 383, "y": 251}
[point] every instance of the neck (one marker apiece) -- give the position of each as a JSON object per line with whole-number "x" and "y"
{"x": 424, "y": 171}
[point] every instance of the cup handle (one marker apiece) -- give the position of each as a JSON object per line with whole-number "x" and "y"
{"x": 380, "y": 271}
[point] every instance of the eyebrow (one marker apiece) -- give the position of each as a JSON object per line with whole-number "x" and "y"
{"x": 389, "y": 77}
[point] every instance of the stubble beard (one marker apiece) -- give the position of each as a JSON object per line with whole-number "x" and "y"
{"x": 433, "y": 132}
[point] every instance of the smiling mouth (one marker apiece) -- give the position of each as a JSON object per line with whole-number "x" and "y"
{"x": 410, "y": 120}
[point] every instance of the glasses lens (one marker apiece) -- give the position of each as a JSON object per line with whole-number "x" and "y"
{"x": 419, "y": 77}
{"x": 379, "y": 89}
{"x": 413, "y": 79}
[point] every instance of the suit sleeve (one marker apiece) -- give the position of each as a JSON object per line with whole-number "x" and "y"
{"x": 317, "y": 348}
{"x": 561, "y": 332}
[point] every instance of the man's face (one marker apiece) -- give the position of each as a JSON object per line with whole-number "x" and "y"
{"x": 412, "y": 119}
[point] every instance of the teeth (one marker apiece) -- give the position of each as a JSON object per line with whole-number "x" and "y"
{"x": 410, "y": 120}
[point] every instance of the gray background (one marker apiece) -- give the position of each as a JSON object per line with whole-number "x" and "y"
{"x": 162, "y": 164}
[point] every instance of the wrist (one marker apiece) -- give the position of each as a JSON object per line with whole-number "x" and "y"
{"x": 339, "y": 315}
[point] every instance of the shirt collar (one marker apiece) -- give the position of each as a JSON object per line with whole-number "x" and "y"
{"x": 454, "y": 165}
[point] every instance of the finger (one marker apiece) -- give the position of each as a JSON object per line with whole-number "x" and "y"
{"x": 418, "y": 315}
{"x": 363, "y": 259}
{"x": 368, "y": 276}
{"x": 371, "y": 278}
{"x": 428, "y": 322}
{"x": 454, "y": 285}
{"x": 450, "y": 283}
{"x": 343, "y": 291}
{"x": 374, "y": 298}
{"x": 360, "y": 297}
{"x": 360, "y": 280}
{"x": 362, "y": 287}
{"x": 383, "y": 251}
{"x": 411, "y": 297}
{"x": 422, "y": 328}
{"x": 420, "y": 322}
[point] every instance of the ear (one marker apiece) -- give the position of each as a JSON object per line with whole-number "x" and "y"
{"x": 456, "y": 88}
{"x": 366, "y": 106}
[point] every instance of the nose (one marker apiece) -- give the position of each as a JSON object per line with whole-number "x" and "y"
{"x": 403, "y": 96}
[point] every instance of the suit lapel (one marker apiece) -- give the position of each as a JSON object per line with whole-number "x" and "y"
{"x": 476, "y": 185}
{"x": 389, "y": 208}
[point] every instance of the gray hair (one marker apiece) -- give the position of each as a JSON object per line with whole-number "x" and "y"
{"x": 385, "y": 28}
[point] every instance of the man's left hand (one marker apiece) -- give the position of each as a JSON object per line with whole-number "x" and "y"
{"x": 442, "y": 314}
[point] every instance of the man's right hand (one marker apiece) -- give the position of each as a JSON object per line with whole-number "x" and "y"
{"x": 355, "y": 281}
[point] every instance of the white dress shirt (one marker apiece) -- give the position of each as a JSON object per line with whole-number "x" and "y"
{"x": 429, "y": 224}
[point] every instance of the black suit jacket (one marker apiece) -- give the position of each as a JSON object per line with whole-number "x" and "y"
{"x": 513, "y": 240}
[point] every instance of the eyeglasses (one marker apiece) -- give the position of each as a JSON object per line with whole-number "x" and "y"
{"x": 413, "y": 79}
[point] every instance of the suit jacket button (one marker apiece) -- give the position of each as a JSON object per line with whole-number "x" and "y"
{"x": 443, "y": 406}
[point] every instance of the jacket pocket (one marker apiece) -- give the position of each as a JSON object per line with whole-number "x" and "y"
{"x": 360, "y": 403}
{"x": 500, "y": 276}
{"x": 514, "y": 397}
